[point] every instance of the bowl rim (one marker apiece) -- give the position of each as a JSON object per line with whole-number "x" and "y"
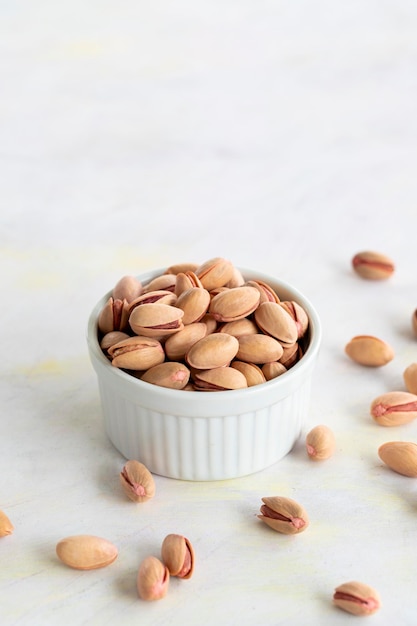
{"x": 189, "y": 402}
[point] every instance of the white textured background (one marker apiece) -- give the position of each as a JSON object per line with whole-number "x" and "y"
{"x": 134, "y": 135}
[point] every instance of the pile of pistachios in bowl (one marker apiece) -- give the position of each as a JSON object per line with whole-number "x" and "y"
{"x": 202, "y": 328}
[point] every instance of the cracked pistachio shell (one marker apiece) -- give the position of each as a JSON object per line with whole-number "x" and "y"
{"x": 186, "y": 280}
{"x": 160, "y": 296}
{"x": 216, "y": 272}
{"x": 113, "y": 316}
{"x": 194, "y": 303}
{"x": 6, "y": 527}
{"x": 237, "y": 279}
{"x": 410, "y": 378}
{"x": 215, "y": 350}
{"x": 170, "y": 374}
{"x": 234, "y": 304}
{"x": 111, "y": 338}
{"x": 178, "y": 555}
{"x": 239, "y": 328}
{"x": 400, "y": 456}
{"x": 177, "y": 345}
{"x": 356, "y": 598}
{"x": 267, "y": 294}
{"x": 136, "y": 353}
{"x": 298, "y": 314}
{"x": 369, "y": 350}
{"x": 181, "y": 268}
{"x": 127, "y": 288}
{"x": 166, "y": 282}
{"x": 156, "y": 320}
{"x": 290, "y": 355}
{"x": 86, "y": 552}
{"x": 219, "y": 379}
{"x": 252, "y": 373}
{"x": 272, "y": 370}
{"x": 137, "y": 481}
{"x": 210, "y": 323}
{"x": 284, "y": 515}
{"x": 320, "y": 443}
{"x": 258, "y": 349}
{"x": 153, "y": 579}
{"x": 274, "y": 320}
{"x": 394, "y": 408}
{"x": 373, "y": 265}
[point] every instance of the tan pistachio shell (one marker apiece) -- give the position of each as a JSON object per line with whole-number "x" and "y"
{"x": 237, "y": 279}
{"x": 234, "y": 304}
{"x": 113, "y": 316}
{"x": 170, "y": 374}
{"x": 373, "y": 265}
{"x": 258, "y": 349}
{"x": 369, "y": 350}
{"x": 177, "y": 345}
{"x": 160, "y": 296}
{"x": 86, "y": 552}
{"x": 284, "y": 515}
{"x": 178, "y": 555}
{"x": 267, "y": 293}
{"x": 183, "y": 268}
{"x": 127, "y": 288}
{"x": 274, "y": 320}
{"x": 290, "y": 355}
{"x": 136, "y": 353}
{"x": 155, "y": 320}
{"x": 137, "y": 481}
{"x": 210, "y": 323}
{"x": 109, "y": 339}
{"x": 215, "y": 272}
{"x": 320, "y": 443}
{"x": 252, "y": 373}
{"x": 153, "y": 579}
{"x": 394, "y": 408}
{"x": 356, "y": 598}
{"x": 414, "y": 322}
{"x": 239, "y": 328}
{"x": 194, "y": 302}
{"x": 215, "y": 350}
{"x": 6, "y": 527}
{"x": 219, "y": 379}
{"x": 400, "y": 456}
{"x": 186, "y": 280}
{"x": 272, "y": 370}
{"x": 165, "y": 282}
{"x": 298, "y": 314}
{"x": 410, "y": 378}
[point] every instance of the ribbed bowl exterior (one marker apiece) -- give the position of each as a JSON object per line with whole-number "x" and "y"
{"x": 203, "y": 436}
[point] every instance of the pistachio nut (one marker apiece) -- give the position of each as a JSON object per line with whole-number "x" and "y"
{"x": 186, "y": 280}
{"x": 267, "y": 294}
{"x": 373, "y": 265}
{"x": 219, "y": 379}
{"x": 153, "y": 579}
{"x": 215, "y": 350}
{"x": 234, "y": 304}
{"x": 239, "y": 328}
{"x": 215, "y": 273}
{"x": 178, "y": 555}
{"x": 210, "y": 323}
{"x": 400, "y": 456}
{"x": 137, "y": 481}
{"x": 86, "y": 552}
{"x": 165, "y": 282}
{"x": 156, "y": 320}
{"x": 394, "y": 408}
{"x": 237, "y": 279}
{"x": 273, "y": 369}
{"x": 258, "y": 349}
{"x": 290, "y": 355}
{"x": 284, "y": 515}
{"x": 170, "y": 374}
{"x": 113, "y": 316}
{"x": 275, "y": 321}
{"x": 410, "y": 378}
{"x": 109, "y": 339}
{"x": 6, "y": 527}
{"x": 127, "y": 288}
{"x": 356, "y": 598}
{"x": 181, "y": 268}
{"x": 194, "y": 303}
{"x": 136, "y": 353}
{"x": 252, "y": 373}
{"x": 414, "y": 322}
{"x": 177, "y": 345}
{"x": 369, "y": 350}
{"x": 160, "y": 296}
{"x": 320, "y": 443}
{"x": 298, "y": 314}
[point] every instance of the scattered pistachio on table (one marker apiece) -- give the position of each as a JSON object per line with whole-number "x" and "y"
{"x": 400, "y": 456}
{"x": 356, "y": 598}
{"x": 410, "y": 378}
{"x": 86, "y": 552}
{"x": 153, "y": 579}
{"x": 283, "y": 515}
{"x": 369, "y": 350}
{"x": 6, "y": 527}
{"x": 178, "y": 555}
{"x": 373, "y": 265}
{"x": 320, "y": 443}
{"x": 137, "y": 481}
{"x": 394, "y": 408}
{"x": 202, "y": 318}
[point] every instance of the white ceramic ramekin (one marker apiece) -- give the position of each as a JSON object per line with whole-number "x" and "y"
{"x": 198, "y": 435}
